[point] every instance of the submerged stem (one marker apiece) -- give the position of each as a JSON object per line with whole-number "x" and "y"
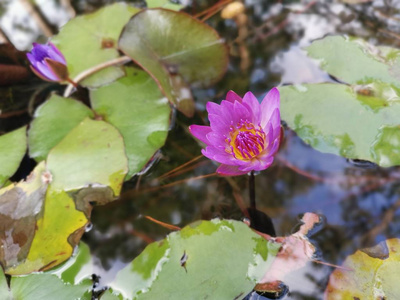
{"x": 88, "y": 72}
{"x": 252, "y": 190}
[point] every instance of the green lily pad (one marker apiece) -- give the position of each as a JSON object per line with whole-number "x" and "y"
{"x": 12, "y": 150}
{"x": 177, "y": 51}
{"x": 218, "y": 259}
{"x": 45, "y": 286}
{"x": 89, "y": 40}
{"x": 367, "y": 277}
{"x": 92, "y": 154}
{"x": 355, "y": 61}
{"x": 78, "y": 268}
{"x": 53, "y": 120}
{"x": 354, "y": 122}
{"x": 163, "y": 4}
{"x": 43, "y": 227}
{"x": 137, "y": 108}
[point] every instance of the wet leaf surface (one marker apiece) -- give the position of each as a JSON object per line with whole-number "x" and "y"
{"x": 92, "y": 154}
{"x": 355, "y": 61}
{"x": 338, "y": 119}
{"x": 20, "y": 207}
{"x": 176, "y": 50}
{"x": 138, "y": 109}
{"x": 12, "y": 150}
{"x": 43, "y": 225}
{"x": 53, "y": 120}
{"x": 71, "y": 281}
{"x": 190, "y": 263}
{"x": 91, "y": 39}
{"x": 367, "y": 277}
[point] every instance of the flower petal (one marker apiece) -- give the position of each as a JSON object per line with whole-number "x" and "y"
{"x": 240, "y": 112}
{"x": 231, "y": 96}
{"x": 56, "y": 54}
{"x": 44, "y": 69}
{"x": 218, "y": 124}
{"x": 270, "y": 102}
{"x": 200, "y": 132}
{"x": 275, "y": 121}
{"x": 251, "y": 102}
{"x": 226, "y": 170}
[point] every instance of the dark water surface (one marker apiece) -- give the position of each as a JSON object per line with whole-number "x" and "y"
{"x": 357, "y": 200}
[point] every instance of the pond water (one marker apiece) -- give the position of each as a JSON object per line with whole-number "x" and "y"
{"x": 358, "y": 200}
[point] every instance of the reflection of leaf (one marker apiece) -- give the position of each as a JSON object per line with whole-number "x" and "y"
{"x": 175, "y": 49}
{"x": 12, "y": 150}
{"x": 295, "y": 252}
{"x": 91, "y": 154}
{"x": 356, "y": 61}
{"x": 343, "y": 120}
{"x": 89, "y": 40}
{"x": 140, "y": 112}
{"x": 53, "y": 121}
{"x": 217, "y": 259}
{"x": 366, "y": 277}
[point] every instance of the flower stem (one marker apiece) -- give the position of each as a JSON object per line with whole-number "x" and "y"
{"x": 252, "y": 190}
{"x": 88, "y": 72}
{"x": 74, "y": 84}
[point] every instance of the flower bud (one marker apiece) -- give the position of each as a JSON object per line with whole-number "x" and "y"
{"x": 48, "y": 63}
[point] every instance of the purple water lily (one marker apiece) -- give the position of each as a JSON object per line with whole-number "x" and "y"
{"x": 243, "y": 134}
{"x": 48, "y": 62}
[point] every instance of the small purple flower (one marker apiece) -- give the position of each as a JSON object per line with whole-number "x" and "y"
{"x": 243, "y": 134}
{"x": 48, "y": 62}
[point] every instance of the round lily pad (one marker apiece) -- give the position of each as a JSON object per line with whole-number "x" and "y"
{"x": 92, "y": 154}
{"x": 138, "y": 109}
{"x": 176, "y": 50}
{"x": 218, "y": 259}
{"x": 355, "y": 61}
{"x": 12, "y": 150}
{"x": 53, "y": 120}
{"x": 89, "y": 40}
{"x": 357, "y": 122}
{"x": 366, "y": 276}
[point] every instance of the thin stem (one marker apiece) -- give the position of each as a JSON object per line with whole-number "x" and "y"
{"x": 74, "y": 84}
{"x": 88, "y": 72}
{"x": 252, "y": 190}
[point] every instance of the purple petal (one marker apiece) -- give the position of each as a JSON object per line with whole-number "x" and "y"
{"x": 275, "y": 121}
{"x": 251, "y": 102}
{"x": 42, "y": 68}
{"x": 240, "y": 112}
{"x": 265, "y": 163}
{"x": 200, "y": 132}
{"x": 226, "y": 170}
{"x": 31, "y": 59}
{"x": 274, "y": 148}
{"x": 218, "y": 124}
{"x": 221, "y": 156}
{"x": 215, "y": 109}
{"x": 231, "y": 96}
{"x": 56, "y": 54}
{"x": 217, "y": 140}
{"x": 270, "y": 102}
{"x": 39, "y": 51}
